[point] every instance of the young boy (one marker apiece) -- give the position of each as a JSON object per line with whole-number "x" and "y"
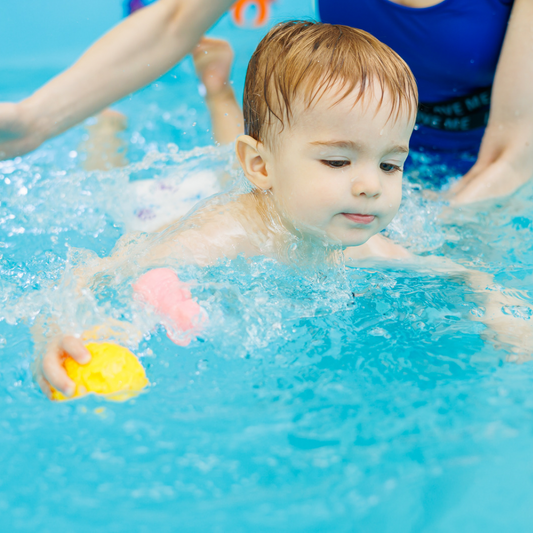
{"x": 328, "y": 113}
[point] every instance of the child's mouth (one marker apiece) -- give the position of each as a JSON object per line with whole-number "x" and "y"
{"x": 359, "y": 219}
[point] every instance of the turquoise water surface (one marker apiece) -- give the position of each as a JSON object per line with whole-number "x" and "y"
{"x": 317, "y": 399}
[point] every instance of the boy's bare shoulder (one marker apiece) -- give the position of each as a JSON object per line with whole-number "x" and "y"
{"x": 226, "y": 226}
{"x": 378, "y": 248}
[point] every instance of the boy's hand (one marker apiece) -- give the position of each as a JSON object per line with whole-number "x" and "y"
{"x": 49, "y": 370}
{"x": 509, "y": 321}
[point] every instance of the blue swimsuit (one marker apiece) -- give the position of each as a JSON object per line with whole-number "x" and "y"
{"x": 452, "y": 49}
{"x": 130, "y": 6}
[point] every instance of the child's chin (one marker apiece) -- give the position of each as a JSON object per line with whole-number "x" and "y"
{"x": 348, "y": 237}
{"x": 353, "y": 238}
{"x": 350, "y": 241}
{"x": 344, "y": 239}
{"x": 351, "y": 244}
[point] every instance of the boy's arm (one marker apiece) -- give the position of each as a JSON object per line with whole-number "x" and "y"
{"x": 52, "y": 345}
{"x": 137, "y": 51}
{"x": 498, "y": 303}
{"x": 503, "y": 311}
{"x": 204, "y": 237}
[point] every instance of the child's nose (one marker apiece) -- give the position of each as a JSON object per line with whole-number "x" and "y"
{"x": 367, "y": 183}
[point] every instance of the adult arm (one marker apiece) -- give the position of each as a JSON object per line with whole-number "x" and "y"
{"x": 137, "y": 51}
{"x": 505, "y": 160}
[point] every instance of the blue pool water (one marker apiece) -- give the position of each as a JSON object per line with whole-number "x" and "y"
{"x": 318, "y": 399}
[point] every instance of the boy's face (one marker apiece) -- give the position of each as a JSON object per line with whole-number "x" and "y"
{"x": 337, "y": 169}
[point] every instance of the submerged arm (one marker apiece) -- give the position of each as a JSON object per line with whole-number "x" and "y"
{"x": 201, "y": 239}
{"x": 137, "y": 51}
{"x": 503, "y": 311}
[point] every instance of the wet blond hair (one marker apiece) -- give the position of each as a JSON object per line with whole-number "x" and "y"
{"x": 299, "y": 59}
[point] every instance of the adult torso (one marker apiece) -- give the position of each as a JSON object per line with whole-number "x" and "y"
{"x": 452, "y": 46}
{"x": 417, "y": 3}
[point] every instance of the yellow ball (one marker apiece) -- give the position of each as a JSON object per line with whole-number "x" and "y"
{"x": 113, "y": 371}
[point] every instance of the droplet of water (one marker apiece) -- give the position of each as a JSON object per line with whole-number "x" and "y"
{"x": 478, "y": 312}
{"x": 379, "y": 332}
{"x": 520, "y": 311}
{"x": 202, "y": 365}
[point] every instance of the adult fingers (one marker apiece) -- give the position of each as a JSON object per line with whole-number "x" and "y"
{"x": 495, "y": 181}
{"x": 470, "y": 176}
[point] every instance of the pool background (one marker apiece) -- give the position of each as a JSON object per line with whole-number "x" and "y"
{"x": 316, "y": 400}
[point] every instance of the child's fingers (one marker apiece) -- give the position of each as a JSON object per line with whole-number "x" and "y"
{"x": 54, "y": 372}
{"x": 44, "y": 386}
{"x": 75, "y": 348}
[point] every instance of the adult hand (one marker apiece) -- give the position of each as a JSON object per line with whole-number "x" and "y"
{"x": 505, "y": 163}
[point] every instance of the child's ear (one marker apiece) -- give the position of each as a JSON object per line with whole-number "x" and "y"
{"x": 251, "y": 154}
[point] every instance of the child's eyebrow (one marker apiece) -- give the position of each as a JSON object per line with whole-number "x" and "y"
{"x": 398, "y": 149}
{"x": 350, "y": 145}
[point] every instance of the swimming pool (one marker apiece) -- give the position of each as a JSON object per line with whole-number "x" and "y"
{"x": 319, "y": 399}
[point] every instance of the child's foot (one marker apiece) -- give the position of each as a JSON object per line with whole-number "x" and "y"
{"x": 104, "y": 148}
{"x": 213, "y": 59}
{"x": 110, "y": 121}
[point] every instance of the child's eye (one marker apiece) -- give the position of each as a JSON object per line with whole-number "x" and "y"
{"x": 390, "y": 168}
{"x": 335, "y": 163}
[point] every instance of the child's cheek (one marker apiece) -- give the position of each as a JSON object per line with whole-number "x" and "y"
{"x": 394, "y": 205}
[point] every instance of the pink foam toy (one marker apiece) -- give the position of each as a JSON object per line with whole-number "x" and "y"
{"x": 170, "y": 298}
